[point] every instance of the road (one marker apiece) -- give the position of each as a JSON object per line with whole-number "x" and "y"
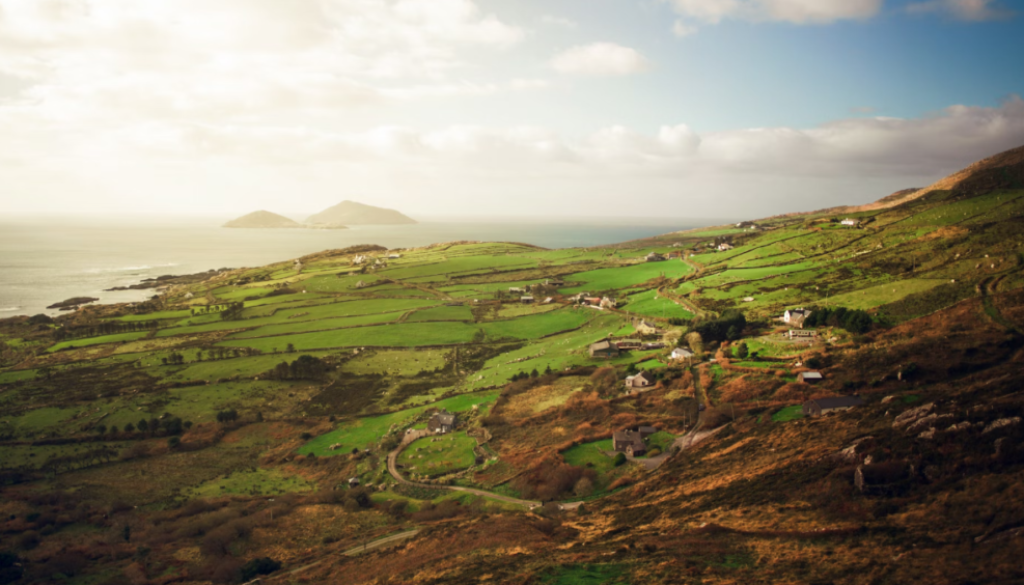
{"x": 381, "y": 542}
{"x": 393, "y": 470}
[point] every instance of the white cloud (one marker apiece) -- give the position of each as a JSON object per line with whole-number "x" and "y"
{"x": 968, "y": 10}
{"x": 599, "y": 59}
{"x": 681, "y": 29}
{"x": 558, "y": 21}
{"x": 803, "y": 12}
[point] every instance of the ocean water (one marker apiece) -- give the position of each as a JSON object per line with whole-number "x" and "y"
{"x": 46, "y": 261}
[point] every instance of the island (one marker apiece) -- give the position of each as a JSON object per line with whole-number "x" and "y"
{"x": 262, "y": 220}
{"x": 354, "y": 213}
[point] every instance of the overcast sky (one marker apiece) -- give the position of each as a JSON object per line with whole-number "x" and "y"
{"x": 645, "y": 108}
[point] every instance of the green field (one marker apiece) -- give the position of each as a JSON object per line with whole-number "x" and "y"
{"x": 591, "y": 456}
{"x": 256, "y": 482}
{"x": 365, "y": 432}
{"x": 607, "y": 279}
{"x": 434, "y": 456}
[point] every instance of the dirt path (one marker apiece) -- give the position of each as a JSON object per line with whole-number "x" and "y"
{"x": 381, "y": 542}
{"x": 393, "y": 470}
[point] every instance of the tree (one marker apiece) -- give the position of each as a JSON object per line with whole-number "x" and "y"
{"x": 695, "y": 341}
{"x": 290, "y": 348}
{"x": 742, "y": 351}
{"x": 143, "y": 425}
{"x": 100, "y": 429}
{"x": 259, "y": 416}
{"x": 174, "y": 442}
{"x": 128, "y": 428}
{"x": 620, "y": 458}
{"x": 584, "y": 487}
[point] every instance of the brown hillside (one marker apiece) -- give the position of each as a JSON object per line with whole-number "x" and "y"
{"x": 980, "y": 177}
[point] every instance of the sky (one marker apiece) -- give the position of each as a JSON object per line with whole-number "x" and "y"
{"x": 498, "y": 108}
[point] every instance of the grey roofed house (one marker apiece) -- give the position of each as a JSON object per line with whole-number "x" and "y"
{"x": 820, "y": 406}
{"x": 604, "y": 349}
{"x": 654, "y": 257}
{"x": 441, "y": 422}
{"x": 646, "y": 430}
{"x": 526, "y": 299}
{"x": 628, "y": 442}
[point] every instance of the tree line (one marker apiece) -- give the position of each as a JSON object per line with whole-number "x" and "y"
{"x": 102, "y": 328}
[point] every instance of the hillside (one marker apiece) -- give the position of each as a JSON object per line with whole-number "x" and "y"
{"x": 354, "y": 213}
{"x": 262, "y": 219}
{"x": 282, "y": 412}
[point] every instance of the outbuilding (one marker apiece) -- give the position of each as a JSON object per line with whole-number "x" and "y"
{"x": 822, "y": 406}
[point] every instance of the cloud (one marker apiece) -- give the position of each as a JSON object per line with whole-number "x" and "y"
{"x": 558, "y": 21}
{"x": 681, "y": 29}
{"x": 802, "y": 12}
{"x": 672, "y": 169}
{"x": 599, "y": 59}
{"x": 966, "y": 10}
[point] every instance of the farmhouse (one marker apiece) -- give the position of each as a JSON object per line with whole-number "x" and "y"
{"x": 441, "y": 422}
{"x": 628, "y": 344}
{"x": 604, "y": 349}
{"x": 526, "y": 300}
{"x": 809, "y": 377}
{"x": 802, "y": 334}
{"x": 795, "y": 317}
{"x": 644, "y": 327}
{"x": 654, "y": 257}
{"x": 515, "y": 289}
{"x": 628, "y": 442}
{"x": 821, "y": 406}
{"x": 681, "y": 353}
{"x": 641, "y": 380}
{"x": 851, "y": 222}
{"x": 556, "y": 282}
{"x": 394, "y": 256}
{"x": 593, "y": 301}
{"x": 724, "y": 247}
{"x": 608, "y": 303}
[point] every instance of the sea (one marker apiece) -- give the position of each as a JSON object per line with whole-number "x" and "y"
{"x": 45, "y": 261}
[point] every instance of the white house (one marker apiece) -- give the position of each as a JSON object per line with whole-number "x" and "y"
{"x": 851, "y": 222}
{"x": 641, "y": 380}
{"x": 681, "y": 353}
{"x": 725, "y": 246}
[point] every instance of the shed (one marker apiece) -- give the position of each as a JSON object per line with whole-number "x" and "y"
{"x": 809, "y": 377}
{"x": 526, "y": 300}
{"x": 626, "y": 344}
{"x": 604, "y": 349}
{"x": 353, "y": 482}
{"x": 646, "y": 431}
{"x": 821, "y": 406}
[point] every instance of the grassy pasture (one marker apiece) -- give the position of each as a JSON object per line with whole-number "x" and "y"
{"x": 398, "y": 362}
{"x": 882, "y": 294}
{"x": 616, "y": 278}
{"x": 301, "y": 314}
{"x": 461, "y": 313}
{"x": 90, "y": 341}
{"x": 652, "y": 304}
{"x": 364, "y": 432}
{"x": 438, "y": 455}
{"x": 789, "y": 413}
{"x": 591, "y": 455}
{"x": 317, "y": 325}
{"x": 254, "y": 482}
{"x": 16, "y": 376}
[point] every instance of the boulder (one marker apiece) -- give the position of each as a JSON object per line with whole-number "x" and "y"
{"x": 1003, "y": 422}
{"x": 913, "y": 415}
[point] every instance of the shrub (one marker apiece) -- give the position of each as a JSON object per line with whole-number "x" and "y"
{"x": 257, "y": 567}
{"x": 29, "y": 540}
{"x": 10, "y": 568}
{"x": 620, "y": 458}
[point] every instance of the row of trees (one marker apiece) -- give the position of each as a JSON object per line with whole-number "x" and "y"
{"x": 853, "y": 320}
{"x": 232, "y": 312}
{"x": 307, "y": 367}
{"x": 102, "y": 328}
